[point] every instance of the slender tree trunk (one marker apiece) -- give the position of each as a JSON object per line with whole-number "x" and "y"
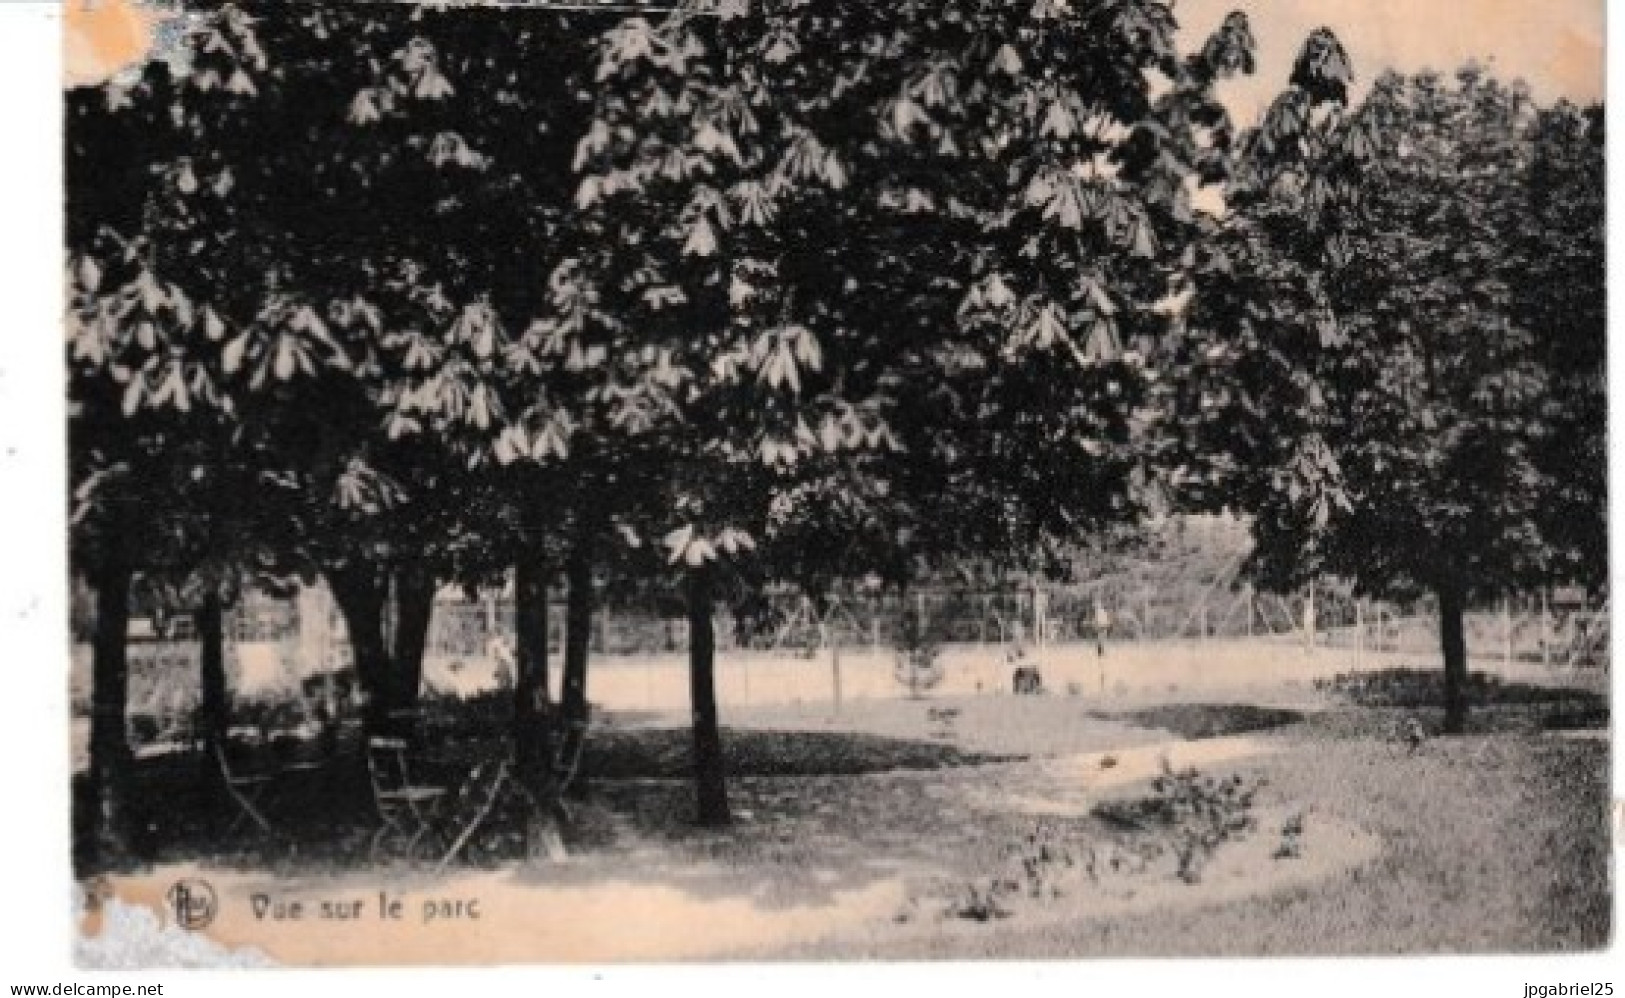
{"x": 533, "y": 737}
{"x": 577, "y": 639}
{"x": 414, "y": 612}
{"x": 360, "y": 598}
{"x": 710, "y": 779}
{"x": 1451, "y": 610}
{"x": 212, "y": 707}
{"x": 532, "y": 731}
{"x": 213, "y": 710}
{"x": 109, "y": 733}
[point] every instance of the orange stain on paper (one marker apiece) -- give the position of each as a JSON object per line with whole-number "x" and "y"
{"x": 102, "y": 37}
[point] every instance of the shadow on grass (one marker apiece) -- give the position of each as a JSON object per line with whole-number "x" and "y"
{"x": 325, "y": 817}
{"x": 1205, "y": 720}
{"x": 1549, "y": 708}
{"x": 665, "y": 753}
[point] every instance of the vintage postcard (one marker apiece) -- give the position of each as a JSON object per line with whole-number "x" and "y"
{"x": 724, "y": 480}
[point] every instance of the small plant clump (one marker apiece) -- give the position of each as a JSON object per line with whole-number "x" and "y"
{"x": 1120, "y": 857}
{"x": 982, "y": 903}
{"x": 1181, "y": 824}
{"x": 1192, "y": 813}
{"x": 1039, "y": 867}
{"x": 1043, "y": 860}
{"x": 1291, "y": 846}
{"x": 1412, "y": 734}
{"x": 1203, "y": 812}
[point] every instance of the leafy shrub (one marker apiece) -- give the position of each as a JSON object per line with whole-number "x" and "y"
{"x": 1195, "y": 814}
{"x": 917, "y": 666}
{"x": 1498, "y": 704}
{"x": 1204, "y": 813}
{"x": 1408, "y": 687}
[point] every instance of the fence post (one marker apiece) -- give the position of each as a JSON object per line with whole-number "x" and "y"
{"x": 1039, "y": 629}
{"x": 1506, "y": 634}
{"x": 1545, "y": 634}
{"x": 834, "y": 663}
{"x": 1359, "y": 634}
{"x": 1309, "y": 620}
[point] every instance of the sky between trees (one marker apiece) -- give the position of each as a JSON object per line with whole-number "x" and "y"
{"x": 1555, "y": 45}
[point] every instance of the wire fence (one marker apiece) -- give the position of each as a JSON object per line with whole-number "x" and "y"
{"x": 275, "y": 645}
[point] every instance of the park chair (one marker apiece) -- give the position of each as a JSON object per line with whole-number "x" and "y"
{"x": 245, "y": 790}
{"x": 567, "y": 760}
{"x": 406, "y": 808}
{"x": 473, "y": 804}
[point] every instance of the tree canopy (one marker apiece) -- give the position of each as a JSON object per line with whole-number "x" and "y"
{"x": 1407, "y": 353}
{"x": 801, "y": 292}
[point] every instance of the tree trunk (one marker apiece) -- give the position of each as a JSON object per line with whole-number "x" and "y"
{"x": 360, "y": 598}
{"x": 212, "y": 706}
{"x": 577, "y": 638}
{"x": 109, "y": 733}
{"x": 1451, "y": 610}
{"x": 533, "y": 714}
{"x": 710, "y": 779}
{"x": 213, "y": 710}
{"x": 414, "y": 612}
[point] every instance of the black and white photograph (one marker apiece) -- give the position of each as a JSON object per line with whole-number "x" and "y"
{"x": 769, "y": 481}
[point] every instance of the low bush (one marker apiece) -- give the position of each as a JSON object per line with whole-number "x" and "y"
{"x": 1410, "y": 687}
{"x": 1191, "y": 814}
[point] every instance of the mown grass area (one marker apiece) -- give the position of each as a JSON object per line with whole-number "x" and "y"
{"x": 1496, "y": 841}
{"x": 1491, "y": 843}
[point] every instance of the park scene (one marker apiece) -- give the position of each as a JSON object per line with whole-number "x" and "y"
{"x": 807, "y": 479}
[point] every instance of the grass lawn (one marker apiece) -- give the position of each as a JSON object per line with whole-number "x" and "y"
{"x": 1493, "y": 841}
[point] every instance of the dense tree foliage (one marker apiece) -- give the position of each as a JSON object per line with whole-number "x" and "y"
{"x": 796, "y": 292}
{"x": 1407, "y": 373}
{"x": 885, "y": 280}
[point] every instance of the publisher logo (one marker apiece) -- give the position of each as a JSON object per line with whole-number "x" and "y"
{"x": 193, "y": 903}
